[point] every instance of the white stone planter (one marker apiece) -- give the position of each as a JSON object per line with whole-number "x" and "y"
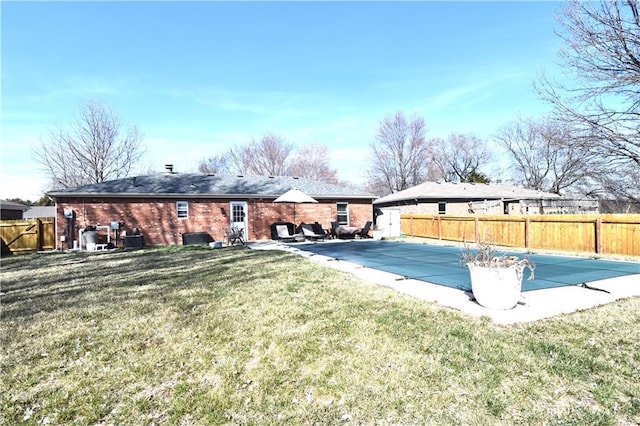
{"x": 377, "y": 235}
{"x": 495, "y": 288}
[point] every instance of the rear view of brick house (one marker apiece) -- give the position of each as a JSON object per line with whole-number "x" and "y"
{"x": 164, "y": 206}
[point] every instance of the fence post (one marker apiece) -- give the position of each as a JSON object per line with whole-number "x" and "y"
{"x": 598, "y": 235}
{"x": 39, "y": 235}
{"x": 476, "y": 229}
{"x": 527, "y": 230}
{"x": 411, "y": 225}
{"x": 439, "y": 228}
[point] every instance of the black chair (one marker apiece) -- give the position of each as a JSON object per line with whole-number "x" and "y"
{"x": 318, "y": 229}
{"x": 364, "y": 233}
{"x": 286, "y": 232}
{"x": 309, "y": 233}
{"x": 334, "y": 229}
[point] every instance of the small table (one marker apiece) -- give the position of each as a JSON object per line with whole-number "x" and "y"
{"x": 348, "y": 231}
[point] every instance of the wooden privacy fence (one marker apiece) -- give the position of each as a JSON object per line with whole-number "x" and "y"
{"x": 617, "y": 234}
{"x": 28, "y": 235}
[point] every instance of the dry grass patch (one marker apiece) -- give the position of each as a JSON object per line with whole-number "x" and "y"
{"x": 185, "y": 335}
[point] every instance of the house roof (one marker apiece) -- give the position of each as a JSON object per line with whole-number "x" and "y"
{"x": 463, "y": 191}
{"x": 39, "y": 211}
{"x": 10, "y": 205}
{"x": 198, "y": 185}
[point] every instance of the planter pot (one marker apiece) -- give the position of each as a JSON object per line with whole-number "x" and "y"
{"x": 495, "y": 288}
{"x": 377, "y": 235}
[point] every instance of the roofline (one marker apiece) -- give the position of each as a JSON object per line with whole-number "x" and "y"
{"x": 462, "y": 199}
{"x": 17, "y": 208}
{"x": 199, "y": 196}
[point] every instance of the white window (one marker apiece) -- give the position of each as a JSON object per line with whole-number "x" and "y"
{"x": 343, "y": 213}
{"x": 237, "y": 212}
{"x": 182, "y": 209}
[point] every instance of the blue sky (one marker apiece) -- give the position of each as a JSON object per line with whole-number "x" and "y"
{"x": 199, "y": 77}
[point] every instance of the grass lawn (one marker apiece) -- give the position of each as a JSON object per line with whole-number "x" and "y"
{"x": 189, "y": 335}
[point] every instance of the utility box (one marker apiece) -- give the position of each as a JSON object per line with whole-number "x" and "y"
{"x": 133, "y": 241}
{"x": 201, "y": 238}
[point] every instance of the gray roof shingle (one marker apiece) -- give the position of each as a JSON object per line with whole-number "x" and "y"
{"x": 464, "y": 191}
{"x": 205, "y": 185}
{"x": 10, "y": 205}
{"x": 39, "y": 211}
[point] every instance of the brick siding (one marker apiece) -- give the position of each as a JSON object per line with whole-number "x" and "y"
{"x": 157, "y": 218}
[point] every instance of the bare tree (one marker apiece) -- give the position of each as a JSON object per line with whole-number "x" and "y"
{"x": 270, "y": 155}
{"x": 312, "y": 162}
{"x": 218, "y": 164}
{"x": 93, "y": 149}
{"x": 602, "y": 55}
{"x": 609, "y": 179}
{"x": 624, "y": 186}
{"x": 460, "y": 157}
{"x": 400, "y": 155}
{"x": 542, "y": 156}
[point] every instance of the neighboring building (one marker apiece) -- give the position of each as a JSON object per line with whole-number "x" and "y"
{"x": 619, "y": 206}
{"x": 480, "y": 198}
{"x": 11, "y": 211}
{"x": 39, "y": 212}
{"x": 166, "y": 205}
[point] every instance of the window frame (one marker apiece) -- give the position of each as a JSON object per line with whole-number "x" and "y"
{"x": 182, "y": 209}
{"x": 442, "y": 207}
{"x": 344, "y": 204}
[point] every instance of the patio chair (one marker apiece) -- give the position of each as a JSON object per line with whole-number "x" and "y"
{"x": 233, "y": 235}
{"x": 334, "y": 229}
{"x": 283, "y": 233}
{"x": 364, "y": 232}
{"x": 318, "y": 229}
{"x": 309, "y": 233}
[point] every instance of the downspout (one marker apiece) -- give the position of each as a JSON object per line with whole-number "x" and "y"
{"x": 55, "y": 227}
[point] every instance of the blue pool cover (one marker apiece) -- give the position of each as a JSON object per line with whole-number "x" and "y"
{"x": 441, "y": 264}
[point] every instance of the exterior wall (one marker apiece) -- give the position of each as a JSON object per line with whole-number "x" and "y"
{"x": 453, "y": 207}
{"x": 422, "y": 208}
{"x": 8, "y": 214}
{"x": 158, "y": 222}
{"x": 263, "y": 213}
{"x": 497, "y": 207}
{"x": 559, "y": 206}
{"x": 618, "y": 206}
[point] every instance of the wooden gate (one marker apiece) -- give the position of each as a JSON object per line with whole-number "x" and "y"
{"x": 28, "y": 235}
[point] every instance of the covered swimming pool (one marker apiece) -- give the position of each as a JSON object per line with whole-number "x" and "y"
{"x": 440, "y": 264}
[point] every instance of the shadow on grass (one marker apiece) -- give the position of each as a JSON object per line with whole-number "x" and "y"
{"x": 49, "y": 282}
